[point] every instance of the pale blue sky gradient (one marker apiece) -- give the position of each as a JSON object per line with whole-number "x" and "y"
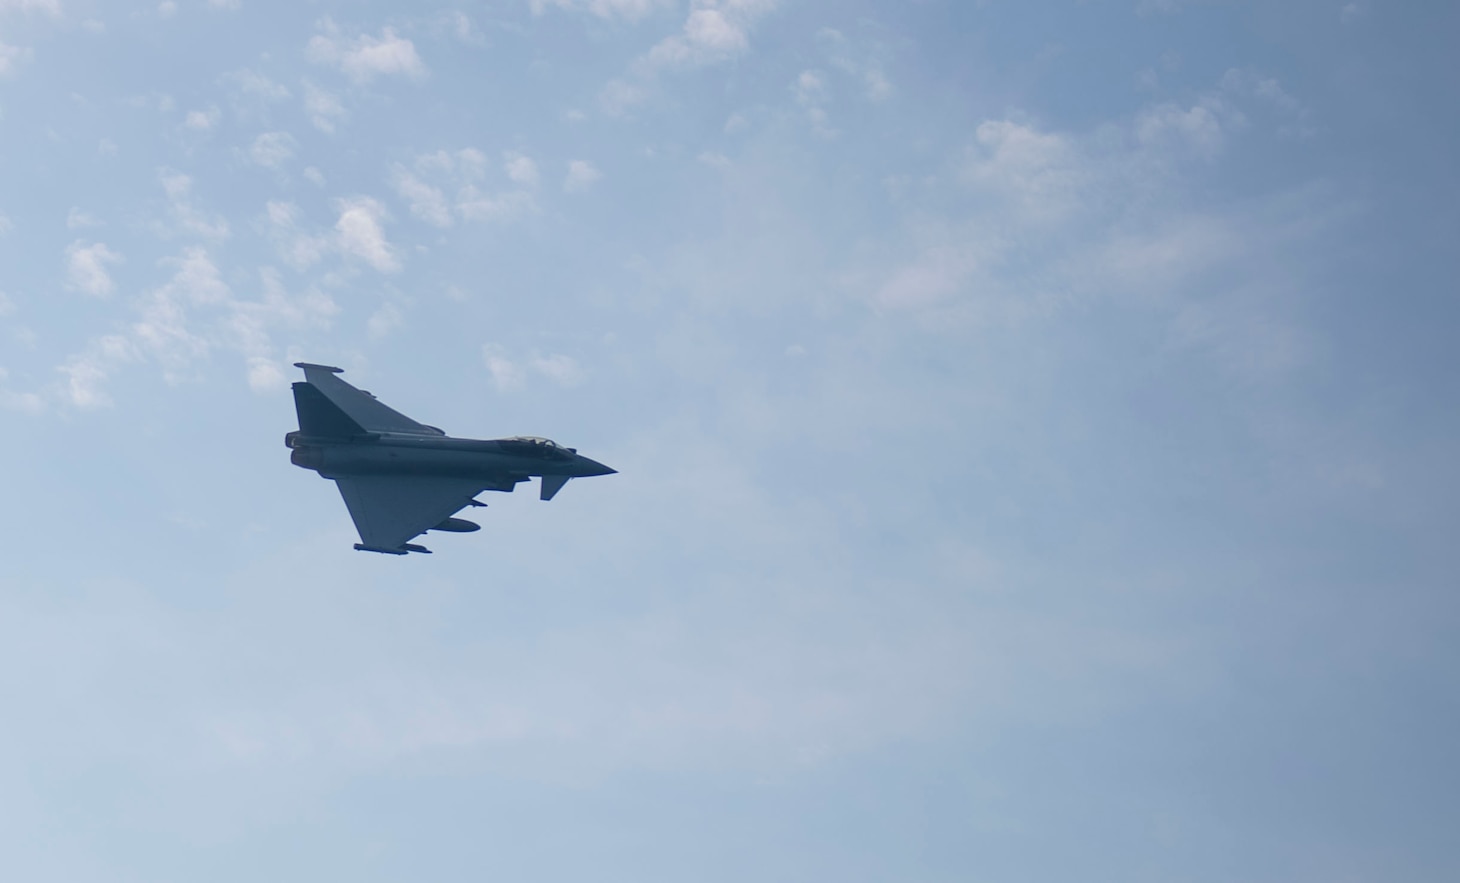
{"x": 1036, "y": 426}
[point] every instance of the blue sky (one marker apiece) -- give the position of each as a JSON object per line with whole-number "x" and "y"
{"x": 1034, "y": 420}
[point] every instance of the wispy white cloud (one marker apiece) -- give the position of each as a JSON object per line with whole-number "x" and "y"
{"x": 1040, "y": 174}
{"x": 251, "y": 83}
{"x": 1269, "y": 100}
{"x": 6, "y": 225}
{"x": 364, "y": 57}
{"x": 938, "y": 273}
{"x": 324, "y": 107}
{"x": 86, "y": 268}
{"x": 188, "y": 219}
{"x": 476, "y": 205}
{"x": 426, "y": 201}
{"x": 86, "y": 374}
{"x": 709, "y": 36}
{"x": 1202, "y": 128}
{"x": 384, "y": 320}
{"x": 879, "y": 88}
{"x": 445, "y": 186}
{"x": 630, "y": 10}
{"x": 1161, "y": 7}
{"x": 809, "y": 88}
{"x": 581, "y": 175}
{"x": 76, "y": 219}
{"x": 1055, "y": 218}
{"x": 52, "y": 7}
{"x": 299, "y": 248}
{"x": 459, "y": 26}
{"x": 520, "y": 168}
{"x": 508, "y": 373}
{"x": 17, "y": 401}
{"x": 810, "y": 91}
{"x": 187, "y": 318}
{"x": 503, "y": 371}
{"x": 714, "y": 31}
{"x": 184, "y": 320}
{"x": 163, "y": 330}
{"x": 862, "y": 63}
{"x": 360, "y": 234}
{"x": 559, "y": 369}
{"x": 12, "y": 57}
{"x": 202, "y": 120}
{"x": 247, "y": 326}
{"x": 272, "y": 149}
{"x": 619, "y": 96}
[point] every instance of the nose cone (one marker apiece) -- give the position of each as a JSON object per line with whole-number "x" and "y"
{"x": 589, "y": 467}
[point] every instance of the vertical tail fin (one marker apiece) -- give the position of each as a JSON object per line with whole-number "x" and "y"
{"x": 320, "y": 417}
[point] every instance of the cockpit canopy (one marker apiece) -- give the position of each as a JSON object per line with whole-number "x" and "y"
{"x": 536, "y": 446}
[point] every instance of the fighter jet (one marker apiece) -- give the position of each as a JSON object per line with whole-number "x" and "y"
{"x": 401, "y": 478}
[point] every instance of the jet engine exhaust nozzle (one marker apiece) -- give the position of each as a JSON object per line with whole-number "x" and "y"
{"x": 307, "y": 458}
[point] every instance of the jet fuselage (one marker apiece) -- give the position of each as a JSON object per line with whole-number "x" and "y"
{"x": 505, "y": 461}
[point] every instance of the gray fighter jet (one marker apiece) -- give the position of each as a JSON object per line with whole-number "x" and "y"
{"x": 401, "y": 478}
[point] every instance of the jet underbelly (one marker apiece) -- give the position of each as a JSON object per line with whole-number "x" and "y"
{"x": 392, "y": 460}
